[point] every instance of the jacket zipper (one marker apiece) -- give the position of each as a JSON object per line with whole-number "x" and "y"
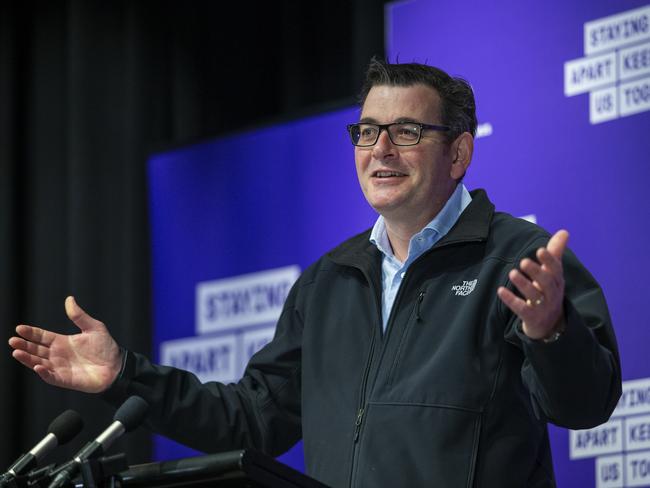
{"x": 417, "y": 306}
{"x": 357, "y": 425}
{"x": 361, "y": 408}
{"x": 362, "y": 398}
{"x": 364, "y": 384}
{"x": 366, "y": 373}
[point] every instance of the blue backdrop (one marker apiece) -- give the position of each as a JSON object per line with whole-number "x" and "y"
{"x": 563, "y": 98}
{"x": 537, "y": 69}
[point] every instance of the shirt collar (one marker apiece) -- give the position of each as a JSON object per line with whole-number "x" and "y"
{"x": 434, "y": 230}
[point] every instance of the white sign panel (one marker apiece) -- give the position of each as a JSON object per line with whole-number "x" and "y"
{"x": 609, "y": 472}
{"x": 637, "y": 469}
{"x": 622, "y": 445}
{"x": 637, "y": 433}
{"x": 616, "y": 68}
{"x": 244, "y": 300}
{"x": 634, "y": 96}
{"x": 584, "y": 74}
{"x": 603, "y": 105}
{"x": 239, "y": 315}
{"x": 209, "y": 358}
{"x": 617, "y": 30}
{"x": 634, "y": 61}
{"x": 635, "y": 398}
{"x": 604, "y": 439}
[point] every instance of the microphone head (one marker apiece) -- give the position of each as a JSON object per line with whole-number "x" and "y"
{"x": 66, "y": 426}
{"x": 131, "y": 413}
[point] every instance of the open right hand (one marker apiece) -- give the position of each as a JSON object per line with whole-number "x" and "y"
{"x": 89, "y": 361}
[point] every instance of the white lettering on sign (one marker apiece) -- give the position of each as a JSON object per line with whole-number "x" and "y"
{"x": 603, "y": 105}
{"x": 637, "y": 433}
{"x": 604, "y": 439}
{"x": 622, "y": 445}
{"x": 209, "y": 358}
{"x": 584, "y": 74}
{"x": 637, "y": 469}
{"x": 635, "y": 398}
{"x": 634, "y": 61}
{"x": 617, "y": 30}
{"x": 616, "y": 67}
{"x": 609, "y": 471}
{"x": 634, "y": 96}
{"x": 244, "y": 300}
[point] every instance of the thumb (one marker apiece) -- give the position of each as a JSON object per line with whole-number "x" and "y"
{"x": 80, "y": 318}
{"x": 557, "y": 243}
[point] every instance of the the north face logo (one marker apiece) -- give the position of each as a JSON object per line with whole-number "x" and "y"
{"x": 465, "y": 289}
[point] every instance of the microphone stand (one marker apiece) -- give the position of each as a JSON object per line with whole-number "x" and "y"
{"x": 102, "y": 472}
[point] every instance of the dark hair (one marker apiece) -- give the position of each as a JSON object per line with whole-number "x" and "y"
{"x": 458, "y": 108}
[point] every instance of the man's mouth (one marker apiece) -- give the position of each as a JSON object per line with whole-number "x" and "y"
{"x": 387, "y": 174}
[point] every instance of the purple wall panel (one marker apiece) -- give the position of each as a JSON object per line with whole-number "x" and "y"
{"x": 281, "y": 196}
{"x": 545, "y": 157}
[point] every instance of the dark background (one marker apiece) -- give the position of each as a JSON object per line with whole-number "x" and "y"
{"x": 87, "y": 90}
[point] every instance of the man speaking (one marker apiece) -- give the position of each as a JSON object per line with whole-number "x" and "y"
{"x": 430, "y": 350}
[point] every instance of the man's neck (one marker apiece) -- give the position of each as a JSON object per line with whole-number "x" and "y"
{"x": 400, "y": 232}
{"x": 402, "y": 226}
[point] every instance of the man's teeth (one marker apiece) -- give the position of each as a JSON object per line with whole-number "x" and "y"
{"x": 387, "y": 174}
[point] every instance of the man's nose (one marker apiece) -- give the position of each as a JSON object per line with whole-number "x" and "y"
{"x": 384, "y": 147}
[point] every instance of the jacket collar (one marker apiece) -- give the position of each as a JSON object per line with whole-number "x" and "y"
{"x": 473, "y": 225}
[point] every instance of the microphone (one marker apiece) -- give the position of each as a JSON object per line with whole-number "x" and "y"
{"x": 128, "y": 417}
{"x": 62, "y": 429}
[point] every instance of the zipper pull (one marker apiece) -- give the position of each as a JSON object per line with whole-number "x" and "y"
{"x": 357, "y": 425}
{"x": 417, "y": 306}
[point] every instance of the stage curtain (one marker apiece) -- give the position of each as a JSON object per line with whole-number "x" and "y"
{"x": 87, "y": 90}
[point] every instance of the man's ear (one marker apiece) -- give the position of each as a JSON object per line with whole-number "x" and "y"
{"x": 461, "y": 151}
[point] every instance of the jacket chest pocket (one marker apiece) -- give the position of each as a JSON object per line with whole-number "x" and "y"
{"x": 443, "y": 353}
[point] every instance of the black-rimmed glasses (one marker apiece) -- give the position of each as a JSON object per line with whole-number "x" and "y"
{"x": 400, "y": 133}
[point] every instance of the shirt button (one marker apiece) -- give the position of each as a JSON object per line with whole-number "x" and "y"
{"x": 402, "y": 275}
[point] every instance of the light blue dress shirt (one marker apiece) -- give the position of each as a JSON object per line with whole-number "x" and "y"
{"x": 392, "y": 269}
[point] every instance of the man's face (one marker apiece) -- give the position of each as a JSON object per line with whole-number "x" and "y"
{"x": 405, "y": 182}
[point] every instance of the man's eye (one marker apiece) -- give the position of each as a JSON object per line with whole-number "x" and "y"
{"x": 408, "y": 131}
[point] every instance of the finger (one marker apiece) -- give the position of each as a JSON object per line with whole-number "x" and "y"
{"x": 557, "y": 243}
{"x": 27, "y": 359}
{"x": 36, "y": 334}
{"x": 30, "y": 347}
{"x": 524, "y": 285}
{"x": 80, "y": 318}
{"x": 550, "y": 262}
{"x": 514, "y": 303}
{"x": 542, "y": 280}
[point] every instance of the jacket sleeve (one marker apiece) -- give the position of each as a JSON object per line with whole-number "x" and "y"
{"x": 574, "y": 382}
{"x": 261, "y": 411}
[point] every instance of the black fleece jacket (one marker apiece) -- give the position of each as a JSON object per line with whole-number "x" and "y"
{"x": 453, "y": 394}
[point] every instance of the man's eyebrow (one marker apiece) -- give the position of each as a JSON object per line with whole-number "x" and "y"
{"x": 370, "y": 120}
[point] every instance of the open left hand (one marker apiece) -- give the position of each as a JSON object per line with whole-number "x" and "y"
{"x": 89, "y": 361}
{"x": 542, "y": 288}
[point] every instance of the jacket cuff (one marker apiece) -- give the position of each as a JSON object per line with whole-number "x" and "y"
{"x": 574, "y": 335}
{"x": 118, "y": 391}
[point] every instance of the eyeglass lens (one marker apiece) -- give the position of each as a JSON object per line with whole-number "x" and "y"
{"x": 403, "y": 134}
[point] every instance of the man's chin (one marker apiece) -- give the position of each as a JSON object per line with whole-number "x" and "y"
{"x": 386, "y": 208}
